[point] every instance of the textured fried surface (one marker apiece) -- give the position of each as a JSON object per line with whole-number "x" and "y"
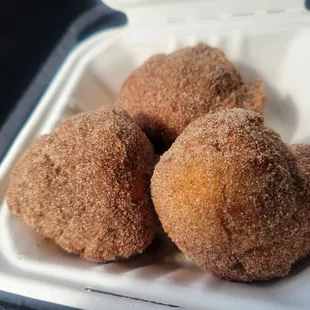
{"x": 230, "y": 194}
{"x": 169, "y": 91}
{"x": 85, "y": 186}
{"x": 302, "y": 154}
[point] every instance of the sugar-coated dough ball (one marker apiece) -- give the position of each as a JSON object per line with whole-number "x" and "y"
{"x": 85, "y": 186}
{"x": 169, "y": 91}
{"x": 233, "y": 198}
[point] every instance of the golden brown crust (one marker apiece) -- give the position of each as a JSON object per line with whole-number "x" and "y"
{"x": 169, "y": 91}
{"x": 230, "y": 194}
{"x": 85, "y": 186}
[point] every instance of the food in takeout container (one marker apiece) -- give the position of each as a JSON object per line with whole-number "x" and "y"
{"x": 261, "y": 44}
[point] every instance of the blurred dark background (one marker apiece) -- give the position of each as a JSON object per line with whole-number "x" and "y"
{"x": 29, "y": 30}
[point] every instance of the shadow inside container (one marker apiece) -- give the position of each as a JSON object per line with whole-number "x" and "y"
{"x": 175, "y": 268}
{"x": 157, "y": 131}
{"x": 162, "y": 259}
{"x": 280, "y": 113}
{"x": 300, "y": 266}
{"x": 189, "y": 274}
{"x": 158, "y": 251}
{"x": 170, "y": 263}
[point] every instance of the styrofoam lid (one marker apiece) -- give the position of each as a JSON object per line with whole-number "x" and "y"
{"x": 157, "y": 11}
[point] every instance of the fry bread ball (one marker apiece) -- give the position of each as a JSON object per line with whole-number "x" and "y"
{"x": 169, "y": 91}
{"x": 231, "y": 195}
{"x": 85, "y": 186}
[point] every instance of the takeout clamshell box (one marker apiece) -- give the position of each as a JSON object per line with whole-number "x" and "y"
{"x": 264, "y": 39}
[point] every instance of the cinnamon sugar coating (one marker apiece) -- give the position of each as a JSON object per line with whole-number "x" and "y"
{"x": 169, "y": 91}
{"x": 85, "y": 186}
{"x": 233, "y": 197}
{"x": 302, "y": 154}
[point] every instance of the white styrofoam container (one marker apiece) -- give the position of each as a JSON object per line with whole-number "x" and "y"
{"x": 265, "y": 39}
